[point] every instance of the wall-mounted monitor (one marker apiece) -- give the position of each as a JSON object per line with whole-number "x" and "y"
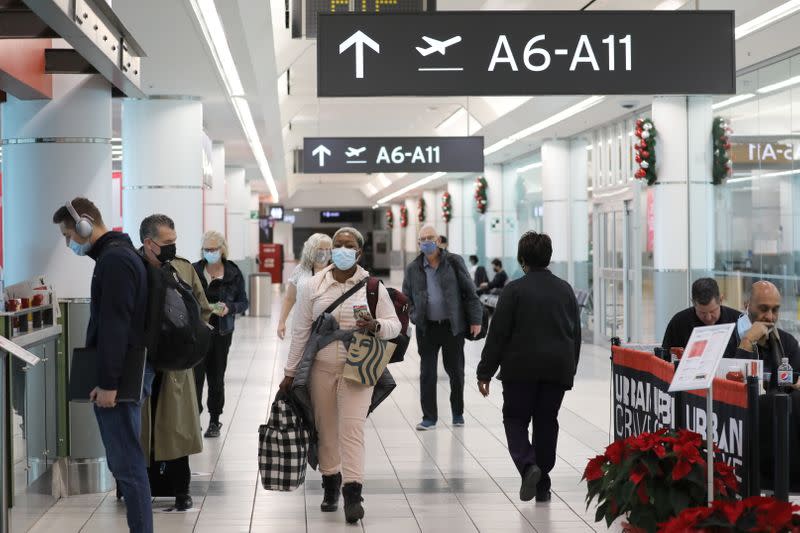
{"x": 352, "y": 217}
{"x": 276, "y": 212}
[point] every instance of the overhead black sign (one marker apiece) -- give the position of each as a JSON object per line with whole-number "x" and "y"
{"x": 316, "y": 7}
{"x": 485, "y": 53}
{"x": 331, "y": 155}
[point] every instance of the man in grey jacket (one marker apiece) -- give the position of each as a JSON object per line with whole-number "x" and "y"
{"x": 442, "y": 305}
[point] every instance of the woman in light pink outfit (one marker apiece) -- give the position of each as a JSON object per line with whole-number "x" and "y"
{"x": 340, "y": 405}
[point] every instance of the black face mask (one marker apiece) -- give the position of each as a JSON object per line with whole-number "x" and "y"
{"x": 168, "y": 252}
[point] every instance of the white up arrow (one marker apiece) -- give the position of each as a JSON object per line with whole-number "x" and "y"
{"x": 359, "y": 39}
{"x": 321, "y": 151}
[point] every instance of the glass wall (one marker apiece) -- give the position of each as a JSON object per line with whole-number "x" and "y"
{"x": 757, "y": 209}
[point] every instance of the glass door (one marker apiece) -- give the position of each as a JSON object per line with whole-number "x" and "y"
{"x": 614, "y": 242}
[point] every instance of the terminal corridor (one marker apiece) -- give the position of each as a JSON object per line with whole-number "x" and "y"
{"x": 450, "y": 479}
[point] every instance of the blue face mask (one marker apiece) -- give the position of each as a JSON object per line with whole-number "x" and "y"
{"x": 428, "y": 247}
{"x": 212, "y": 258}
{"x": 743, "y": 325}
{"x": 344, "y": 258}
{"x": 80, "y": 249}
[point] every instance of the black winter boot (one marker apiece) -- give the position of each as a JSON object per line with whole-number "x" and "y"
{"x": 332, "y": 485}
{"x": 353, "y": 510}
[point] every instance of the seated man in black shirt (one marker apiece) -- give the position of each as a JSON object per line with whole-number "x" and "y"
{"x": 498, "y": 281}
{"x": 707, "y": 310}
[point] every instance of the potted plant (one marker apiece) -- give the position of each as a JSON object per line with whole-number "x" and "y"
{"x": 755, "y": 514}
{"x": 652, "y": 477}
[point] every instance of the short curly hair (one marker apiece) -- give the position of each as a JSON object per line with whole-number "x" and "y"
{"x": 535, "y": 250}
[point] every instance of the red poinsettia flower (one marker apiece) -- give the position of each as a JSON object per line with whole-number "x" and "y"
{"x": 638, "y": 474}
{"x": 593, "y": 469}
{"x": 641, "y": 491}
{"x": 733, "y": 511}
{"x": 616, "y": 452}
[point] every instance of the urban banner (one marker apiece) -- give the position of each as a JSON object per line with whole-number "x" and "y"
{"x": 642, "y": 404}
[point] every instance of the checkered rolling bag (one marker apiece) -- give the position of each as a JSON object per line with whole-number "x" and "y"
{"x": 282, "y": 448}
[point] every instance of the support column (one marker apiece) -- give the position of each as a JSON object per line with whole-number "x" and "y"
{"x": 556, "y": 179}
{"x": 412, "y": 230}
{"x": 398, "y": 261}
{"x": 430, "y": 210}
{"x": 511, "y": 229}
{"x": 436, "y": 213}
{"x": 251, "y": 244}
{"x": 38, "y": 177}
{"x": 578, "y": 275}
{"x": 493, "y": 218}
{"x": 238, "y": 202}
{"x": 455, "y": 228}
{"x": 162, "y": 167}
{"x": 682, "y": 153}
{"x": 214, "y": 199}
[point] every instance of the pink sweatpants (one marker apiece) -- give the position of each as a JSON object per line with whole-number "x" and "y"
{"x": 340, "y": 411}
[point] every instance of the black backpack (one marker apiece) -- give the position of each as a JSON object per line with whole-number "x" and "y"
{"x": 177, "y": 337}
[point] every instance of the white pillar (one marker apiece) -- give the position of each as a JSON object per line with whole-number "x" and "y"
{"x": 579, "y": 215}
{"x": 39, "y": 177}
{"x": 162, "y": 167}
{"x": 237, "y": 201}
{"x": 214, "y": 199}
{"x": 398, "y": 261}
{"x": 494, "y": 213}
{"x": 455, "y": 228}
{"x": 412, "y": 230}
{"x": 556, "y": 181}
{"x": 252, "y": 245}
{"x": 397, "y": 231}
{"x": 430, "y": 209}
{"x": 683, "y": 156}
{"x": 436, "y": 210}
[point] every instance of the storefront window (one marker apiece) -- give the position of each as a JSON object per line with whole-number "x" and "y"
{"x": 757, "y": 209}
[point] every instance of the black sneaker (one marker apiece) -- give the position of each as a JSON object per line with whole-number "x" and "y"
{"x": 213, "y": 430}
{"x": 543, "y": 496}
{"x": 183, "y": 503}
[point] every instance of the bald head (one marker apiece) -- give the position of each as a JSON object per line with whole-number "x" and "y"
{"x": 428, "y": 232}
{"x": 765, "y": 302}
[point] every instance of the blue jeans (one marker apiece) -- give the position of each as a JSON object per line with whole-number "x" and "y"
{"x": 120, "y": 427}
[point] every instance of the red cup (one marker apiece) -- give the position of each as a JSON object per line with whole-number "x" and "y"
{"x": 25, "y": 303}
{"x": 735, "y": 375}
{"x": 677, "y": 352}
{"x": 12, "y": 305}
{"x": 37, "y": 300}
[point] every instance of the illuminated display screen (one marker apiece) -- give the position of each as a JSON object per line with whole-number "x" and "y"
{"x": 313, "y": 7}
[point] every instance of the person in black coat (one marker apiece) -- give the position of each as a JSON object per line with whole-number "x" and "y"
{"x": 223, "y": 283}
{"x": 535, "y": 340}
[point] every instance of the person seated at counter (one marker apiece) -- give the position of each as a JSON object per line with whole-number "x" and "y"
{"x": 706, "y": 310}
{"x": 758, "y": 336}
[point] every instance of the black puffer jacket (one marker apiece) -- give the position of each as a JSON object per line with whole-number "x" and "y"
{"x": 228, "y": 290}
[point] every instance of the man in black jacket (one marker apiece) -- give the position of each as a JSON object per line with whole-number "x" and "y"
{"x": 706, "y": 310}
{"x": 498, "y": 281}
{"x": 535, "y": 340}
{"x": 116, "y": 324}
{"x": 442, "y": 305}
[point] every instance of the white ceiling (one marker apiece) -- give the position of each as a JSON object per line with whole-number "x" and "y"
{"x": 179, "y": 62}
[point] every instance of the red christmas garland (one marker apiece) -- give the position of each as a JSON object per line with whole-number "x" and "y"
{"x": 481, "y": 196}
{"x": 421, "y": 209}
{"x": 646, "y": 150}
{"x": 389, "y": 218}
{"x": 403, "y": 217}
{"x": 447, "y": 207}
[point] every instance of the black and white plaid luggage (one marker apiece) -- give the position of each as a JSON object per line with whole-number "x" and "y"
{"x": 283, "y": 448}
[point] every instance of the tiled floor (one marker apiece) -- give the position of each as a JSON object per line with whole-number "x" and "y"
{"x": 449, "y": 480}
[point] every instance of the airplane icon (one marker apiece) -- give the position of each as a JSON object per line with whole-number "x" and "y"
{"x": 354, "y": 152}
{"x": 436, "y": 45}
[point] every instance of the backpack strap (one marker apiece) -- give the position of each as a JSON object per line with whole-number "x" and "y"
{"x": 339, "y": 301}
{"x": 373, "y": 284}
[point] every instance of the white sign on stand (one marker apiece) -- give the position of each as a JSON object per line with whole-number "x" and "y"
{"x": 700, "y": 359}
{"x": 696, "y": 371}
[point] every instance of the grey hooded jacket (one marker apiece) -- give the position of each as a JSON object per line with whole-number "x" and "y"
{"x": 325, "y": 331}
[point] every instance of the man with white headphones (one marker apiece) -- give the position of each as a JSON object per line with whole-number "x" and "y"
{"x": 116, "y": 324}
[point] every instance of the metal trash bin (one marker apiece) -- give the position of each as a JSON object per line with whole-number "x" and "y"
{"x": 260, "y": 291}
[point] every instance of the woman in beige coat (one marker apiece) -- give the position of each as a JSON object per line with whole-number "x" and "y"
{"x": 340, "y": 405}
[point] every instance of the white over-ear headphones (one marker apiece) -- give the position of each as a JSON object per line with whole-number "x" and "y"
{"x": 84, "y": 224}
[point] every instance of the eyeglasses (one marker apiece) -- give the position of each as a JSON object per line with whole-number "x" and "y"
{"x": 427, "y": 239}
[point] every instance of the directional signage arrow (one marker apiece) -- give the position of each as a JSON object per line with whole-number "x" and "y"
{"x": 524, "y": 53}
{"x": 321, "y": 151}
{"x": 331, "y": 155}
{"x": 359, "y": 39}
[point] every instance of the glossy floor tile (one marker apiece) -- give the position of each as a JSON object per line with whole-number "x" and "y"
{"x": 450, "y": 480}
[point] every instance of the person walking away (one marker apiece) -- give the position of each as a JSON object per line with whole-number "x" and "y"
{"x": 116, "y": 324}
{"x": 442, "y": 304}
{"x": 316, "y": 256}
{"x": 170, "y": 420}
{"x": 535, "y": 340}
{"x": 223, "y": 286}
{"x": 340, "y": 406}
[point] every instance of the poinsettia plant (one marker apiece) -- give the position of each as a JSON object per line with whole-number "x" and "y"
{"x": 757, "y": 514}
{"x": 652, "y": 477}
